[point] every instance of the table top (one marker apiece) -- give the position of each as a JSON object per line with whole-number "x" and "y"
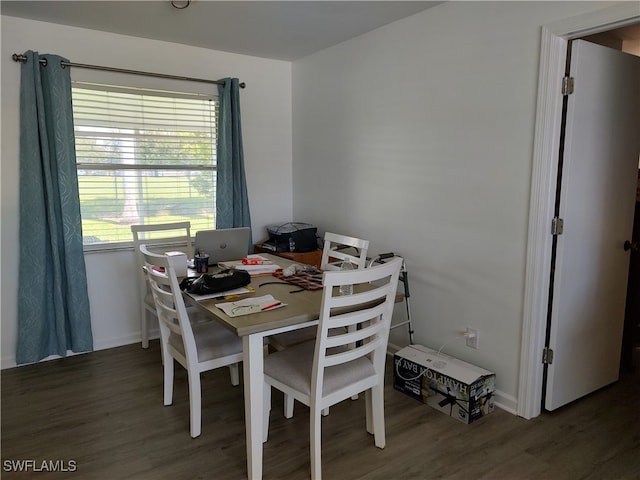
{"x": 302, "y": 306}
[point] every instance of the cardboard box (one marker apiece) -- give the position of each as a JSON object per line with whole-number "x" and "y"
{"x": 456, "y": 388}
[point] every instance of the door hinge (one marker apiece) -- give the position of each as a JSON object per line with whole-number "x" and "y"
{"x": 567, "y": 85}
{"x": 557, "y": 226}
{"x": 547, "y": 356}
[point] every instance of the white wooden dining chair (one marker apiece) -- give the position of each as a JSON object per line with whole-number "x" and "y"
{"x": 340, "y": 248}
{"x": 337, "y": 249}
{"x": 166, "y": 236}
{"x": 348, "y": 356}
{"x": 197, "y": 346}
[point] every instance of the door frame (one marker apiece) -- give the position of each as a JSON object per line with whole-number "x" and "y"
{"x": 544, "y": 171}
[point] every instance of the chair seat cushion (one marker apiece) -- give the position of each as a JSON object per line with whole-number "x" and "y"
{"x": 212, "y": 341}
{"x": 293, "y": 367}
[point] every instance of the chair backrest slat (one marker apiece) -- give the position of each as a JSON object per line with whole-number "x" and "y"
{"x": 361, "y": 300}
{"x": 347, "y": 356}
{"x": 348, "y": 337}
{"x": 363, "y": 313}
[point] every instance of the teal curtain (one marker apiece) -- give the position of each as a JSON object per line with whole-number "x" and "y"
{"x": 232, "y": 202}
{"x": 53, "y": 303}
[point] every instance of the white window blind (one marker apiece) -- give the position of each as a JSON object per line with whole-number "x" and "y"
{"x": 143, "y": 157}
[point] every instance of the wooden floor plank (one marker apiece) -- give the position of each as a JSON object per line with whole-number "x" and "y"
{"x": 104, "y": 412}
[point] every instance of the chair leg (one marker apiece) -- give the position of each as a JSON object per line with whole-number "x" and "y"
{"x": 195, "y": 403}
{"x": 235, "y": 374}
{"x": 316, "y": 444}
{"x": 162, "y": 348}
{"x": 369, "y": 413}
{"x": 377, "y": 408}
{"x": 168, "y": 368}
{"x": 144, "y": 331}
{"x": 266, "y": 411}
{"x": 288, "y": 406}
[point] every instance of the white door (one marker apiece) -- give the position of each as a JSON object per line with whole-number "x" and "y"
{"x": 599, "y": 172}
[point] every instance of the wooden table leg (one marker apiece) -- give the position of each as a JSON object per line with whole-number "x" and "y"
{"x": 253, "y": 368}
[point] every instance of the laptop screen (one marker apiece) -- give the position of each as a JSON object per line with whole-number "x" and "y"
{"x": 223, "y": 245}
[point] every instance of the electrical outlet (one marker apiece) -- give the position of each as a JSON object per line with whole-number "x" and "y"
{"x": 472, "y": 338}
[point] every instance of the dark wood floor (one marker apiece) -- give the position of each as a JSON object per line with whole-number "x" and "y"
{"x": 104, "y": 412}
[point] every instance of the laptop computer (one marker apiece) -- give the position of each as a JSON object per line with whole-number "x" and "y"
{"x": 224, "y": 244}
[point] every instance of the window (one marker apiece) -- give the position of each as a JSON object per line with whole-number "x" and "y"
{"x": 143, "y": 157}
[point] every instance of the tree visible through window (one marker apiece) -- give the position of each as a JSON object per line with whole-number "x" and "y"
{"x": 143, "y": 157}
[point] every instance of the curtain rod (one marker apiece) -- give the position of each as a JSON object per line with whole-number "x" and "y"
{"x": 23, "y": 58}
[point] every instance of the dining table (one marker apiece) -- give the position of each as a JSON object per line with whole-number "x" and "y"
{"x": 301, "y": 309}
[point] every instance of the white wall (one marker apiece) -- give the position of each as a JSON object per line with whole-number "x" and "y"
{"x": 418, "y": 136}
{"x": 266, "y": 118}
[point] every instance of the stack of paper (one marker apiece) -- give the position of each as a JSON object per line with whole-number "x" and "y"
{"x": 250, "y": 305}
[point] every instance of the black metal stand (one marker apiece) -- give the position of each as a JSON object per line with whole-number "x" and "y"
{"x": 404, "y": 278}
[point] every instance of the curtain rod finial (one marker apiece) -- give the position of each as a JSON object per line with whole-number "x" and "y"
{"x": 19, "y": 58}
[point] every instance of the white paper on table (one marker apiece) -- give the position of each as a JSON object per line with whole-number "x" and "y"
{"x": 250, "y": 305}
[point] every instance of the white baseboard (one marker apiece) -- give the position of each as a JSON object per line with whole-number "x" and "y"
{"x": 505, "y": 402}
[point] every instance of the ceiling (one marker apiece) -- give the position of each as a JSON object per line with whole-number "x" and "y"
{"x": 283, "y": 30}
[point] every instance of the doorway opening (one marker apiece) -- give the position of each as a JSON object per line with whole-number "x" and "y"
{"x": 544, "y": 174}
{"x": 588, "y": 268}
